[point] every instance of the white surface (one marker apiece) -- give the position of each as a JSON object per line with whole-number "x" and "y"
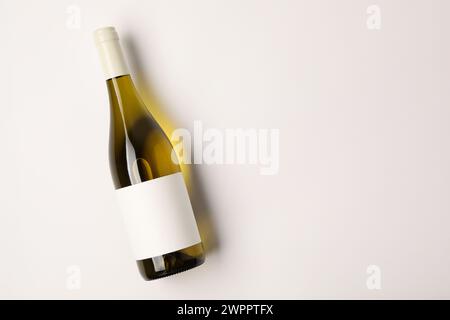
{"x": 363, "y": 115}
{"x": 158, "y": 216}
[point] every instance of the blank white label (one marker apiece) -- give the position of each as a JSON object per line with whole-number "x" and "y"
{"x": 158, "y": 216}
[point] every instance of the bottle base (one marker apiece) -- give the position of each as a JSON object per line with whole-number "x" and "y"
{"x": 171, "y": 263}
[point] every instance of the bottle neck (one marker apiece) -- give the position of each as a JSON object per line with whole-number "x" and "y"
{"x": 110, "y": 52}
{"x": 126, "y": 105}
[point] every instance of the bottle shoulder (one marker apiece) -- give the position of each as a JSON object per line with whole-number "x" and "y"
{"x": 139, "y": 153}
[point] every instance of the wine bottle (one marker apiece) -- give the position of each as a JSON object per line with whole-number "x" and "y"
{"x": 150, "y": 189}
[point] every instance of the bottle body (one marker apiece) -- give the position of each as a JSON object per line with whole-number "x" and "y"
{"x": 151, "y": 192}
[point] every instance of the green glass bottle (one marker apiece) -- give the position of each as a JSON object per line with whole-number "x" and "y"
{"x": 150, "y": 188}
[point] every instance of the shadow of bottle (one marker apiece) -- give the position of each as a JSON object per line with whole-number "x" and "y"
{"x": 199, "y": 202}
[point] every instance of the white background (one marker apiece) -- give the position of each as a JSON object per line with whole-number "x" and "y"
{"x": 363, "y": 116}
